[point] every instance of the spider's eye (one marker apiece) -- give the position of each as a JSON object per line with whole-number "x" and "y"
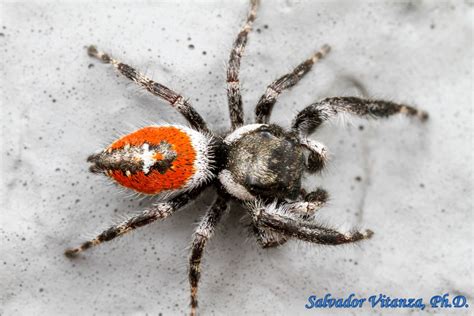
{"x": 152, "y": 159}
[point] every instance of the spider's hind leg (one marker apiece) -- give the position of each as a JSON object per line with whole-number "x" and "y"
{"x": 174, "y": 99}
{"x": 159, "y": 211}
{"x": 268, "y": 99}
{"x": 202, "y": 234}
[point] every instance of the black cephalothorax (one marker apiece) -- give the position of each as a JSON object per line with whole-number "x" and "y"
{"x": 258, "y": 165}
{"x": 268, "y": 162}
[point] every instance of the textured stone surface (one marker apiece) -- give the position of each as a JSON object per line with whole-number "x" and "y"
{"x": 410, "y": 183}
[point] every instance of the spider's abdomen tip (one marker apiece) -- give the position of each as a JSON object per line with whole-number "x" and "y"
{"x": 156, "y": 159}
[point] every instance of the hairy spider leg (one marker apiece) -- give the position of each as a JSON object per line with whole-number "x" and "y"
{"x": 174, "y": 99}
{"x": 159, "y": 211}
{"x": 202, "y": 234}
{"x": 311, "y": 117}
{"x": 304, "y": 210}
{"x": 281, "y": 219}
{"x": 234, "y": 96}
{"x": 268, "y": 237}
{"x": 269, "y": 98}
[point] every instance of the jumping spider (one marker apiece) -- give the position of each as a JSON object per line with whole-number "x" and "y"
{"x": 260, "y": 165}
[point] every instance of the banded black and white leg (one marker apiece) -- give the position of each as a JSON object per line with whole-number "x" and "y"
{"x": 202, "y": 234}
{"x": 311, "y": 117}
{"x": 234, "y": 95}
{"x": 304, "y": 210}
{"x": 176, "y": 100}
{"x": 158, "y": 211}
{"x": 268, "y": 99}
{"x": 283, "y": 221}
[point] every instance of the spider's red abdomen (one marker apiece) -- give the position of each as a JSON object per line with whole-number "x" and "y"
{"x": 156, "y": 159}
{"x": 178, "y": 172}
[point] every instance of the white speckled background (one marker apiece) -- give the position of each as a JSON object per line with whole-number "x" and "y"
{"x": 58, "y": 105}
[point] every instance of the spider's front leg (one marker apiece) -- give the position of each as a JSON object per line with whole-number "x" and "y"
{"x": 267, "y": 237}
{"x": 159, "y": 211}
{"x": 202, "y": 234}
{"x": 281, "y": 220}
{"x": 304, "y": 210}
{"x": 311, "y": 117}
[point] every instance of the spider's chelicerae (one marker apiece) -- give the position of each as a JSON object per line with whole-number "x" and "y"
{"x": 259, "y": 165}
